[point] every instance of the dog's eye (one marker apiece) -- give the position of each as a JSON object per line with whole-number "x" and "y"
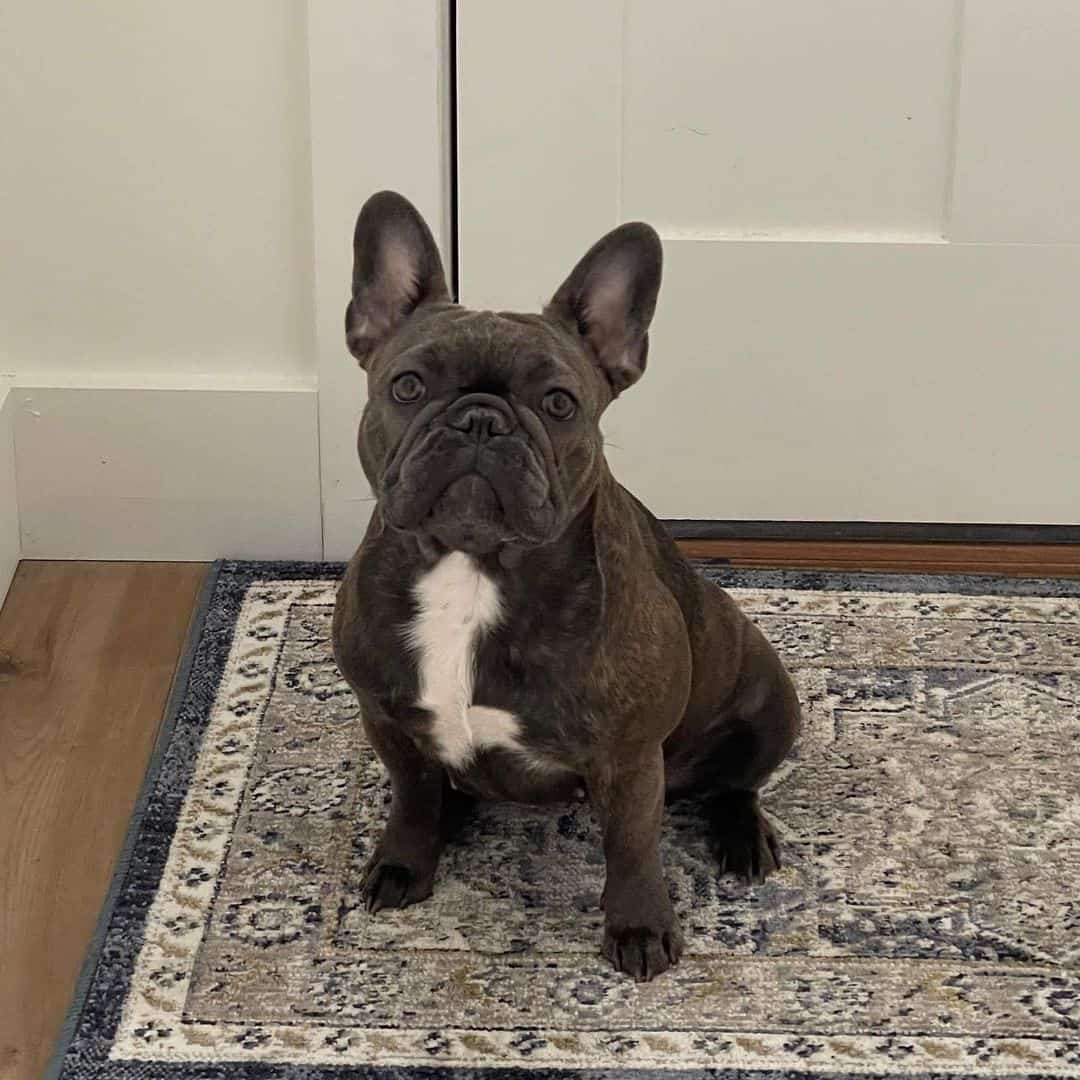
{"x": 408, "y": 388}
{"x": 559, "y": 405}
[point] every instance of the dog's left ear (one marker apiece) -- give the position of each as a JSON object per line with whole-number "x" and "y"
{"x": 396, "y": 268}
{"x": 609, "y": 298}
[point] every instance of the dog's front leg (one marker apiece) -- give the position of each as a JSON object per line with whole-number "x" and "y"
{"x": 641, "y": 932}
{"x": 401, "y": 870}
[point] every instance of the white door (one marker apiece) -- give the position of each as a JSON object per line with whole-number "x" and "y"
{"x": 871, "y": 223}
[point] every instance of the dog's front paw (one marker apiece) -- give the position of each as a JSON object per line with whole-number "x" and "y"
{"x": 396, "y": 882}
{"x": 389, "y": 886}
{"x": 645, "y": 950}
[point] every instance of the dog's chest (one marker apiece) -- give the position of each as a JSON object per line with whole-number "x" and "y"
{"x": 457, "y": 604}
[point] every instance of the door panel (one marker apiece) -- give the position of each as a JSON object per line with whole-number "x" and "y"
{"x": 538, "y": 143}
{"x": 754, "y": 117}
{"x": 1017, "y": 148}
{"x": 834, "y": 340}
{"x": 824, "y": 398}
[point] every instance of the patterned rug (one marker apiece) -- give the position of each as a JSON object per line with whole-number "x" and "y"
{"x": 926, "y": 922}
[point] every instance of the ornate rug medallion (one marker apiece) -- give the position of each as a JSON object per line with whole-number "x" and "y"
{"x": 926, "y": 922}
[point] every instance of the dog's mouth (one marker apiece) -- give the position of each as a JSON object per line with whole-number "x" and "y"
{"x": 471, "y": 495}
{"x": 469, "y": 516}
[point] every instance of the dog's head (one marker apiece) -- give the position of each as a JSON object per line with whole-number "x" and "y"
{"x": 481, "y": 430}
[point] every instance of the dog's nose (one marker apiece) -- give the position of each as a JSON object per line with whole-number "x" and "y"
{"x": 482, "y": 415}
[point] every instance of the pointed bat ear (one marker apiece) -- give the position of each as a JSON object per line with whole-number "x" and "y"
{"x": 610, "y": 297}
{"x": 396, "y": 268}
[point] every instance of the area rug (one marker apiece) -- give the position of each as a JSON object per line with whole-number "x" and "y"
{"x": 926, "y": 921}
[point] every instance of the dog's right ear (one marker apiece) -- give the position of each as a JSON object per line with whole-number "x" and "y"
{"x": 610, "y": 297}
{"x": 396, "y": 268}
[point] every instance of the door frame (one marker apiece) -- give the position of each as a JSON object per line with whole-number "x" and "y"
{"x": 355, "y": 151}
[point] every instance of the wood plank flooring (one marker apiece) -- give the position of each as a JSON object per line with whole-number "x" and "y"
{"x": 1025, "y": 560}
{"x": 87, "y": 655}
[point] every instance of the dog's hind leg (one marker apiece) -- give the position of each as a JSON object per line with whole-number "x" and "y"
{"x": 732, "y": 752}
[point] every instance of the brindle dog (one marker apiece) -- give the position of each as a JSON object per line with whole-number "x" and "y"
{"x": 515, "y": 624}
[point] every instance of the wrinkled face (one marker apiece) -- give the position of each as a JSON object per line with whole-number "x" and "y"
{"x": 482, "y": 430}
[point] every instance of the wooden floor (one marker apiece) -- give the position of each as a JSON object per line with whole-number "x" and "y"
{"x": 87, "y": 654}
{"x": 1025, "y": 560}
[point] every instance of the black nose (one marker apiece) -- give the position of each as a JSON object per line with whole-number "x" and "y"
{"x": 482, "y": 415}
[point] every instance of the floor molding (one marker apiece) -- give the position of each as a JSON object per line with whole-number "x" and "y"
{"x": 893, "y": 531}
{"x": 168, "y": 472}
{"x": 204, "y": 468}
{"x": 1016, "y": 560}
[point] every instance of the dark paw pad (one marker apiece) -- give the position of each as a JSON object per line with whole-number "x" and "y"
{"x": 643, "y": 952}
{"x": 742, "y": 839}
{"x": 387, "y": 885}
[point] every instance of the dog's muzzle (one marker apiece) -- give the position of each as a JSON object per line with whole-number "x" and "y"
{"x": 472, "y": 479}
{"x": 484, "y": 416}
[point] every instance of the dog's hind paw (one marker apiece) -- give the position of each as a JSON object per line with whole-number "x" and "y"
{"x": 741, "y": 837}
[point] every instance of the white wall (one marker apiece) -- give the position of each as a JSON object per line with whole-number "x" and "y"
{"x": 156, "y": 210}
{"x": 182, "y": 388}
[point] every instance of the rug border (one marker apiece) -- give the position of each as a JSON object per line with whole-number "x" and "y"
{"x": 968, "y": 584}
{"x": 240, "y": 574}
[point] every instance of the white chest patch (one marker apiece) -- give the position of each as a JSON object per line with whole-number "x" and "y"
{"x": 458, "y": 604}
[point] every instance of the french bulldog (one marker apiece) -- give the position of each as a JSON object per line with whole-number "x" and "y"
{"x": 515, "y": 624}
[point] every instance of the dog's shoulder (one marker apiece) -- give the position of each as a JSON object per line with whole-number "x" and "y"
{"x": 636, "y": 552}
{"x": 374, "y": 603}
{"x": 643, "y": 664}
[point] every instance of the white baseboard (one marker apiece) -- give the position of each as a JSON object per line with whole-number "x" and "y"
{"x": 9, "y": 505}
{"x": 193, "y": 471}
